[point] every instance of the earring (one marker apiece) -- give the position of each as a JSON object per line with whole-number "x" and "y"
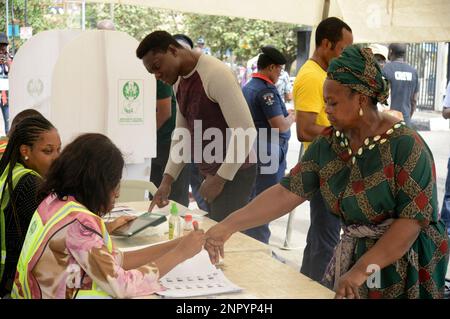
{"x": 26, "y": 158}
{"x": 361, "y": 113}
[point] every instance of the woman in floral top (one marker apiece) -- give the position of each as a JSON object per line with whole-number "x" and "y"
{"x": 74, "y": 252}
{"x": 378, "y": 176}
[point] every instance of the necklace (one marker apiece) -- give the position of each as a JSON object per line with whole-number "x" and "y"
{"x": 369, "y": 142}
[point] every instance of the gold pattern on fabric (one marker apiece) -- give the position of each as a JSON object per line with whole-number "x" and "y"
{"x": 296, "y": 186}
{"x": 331, "y": 199}
{"x": 413, "y": 158}
{"x": 296, "y": 180}
{"x": 434, "y": 235}
{"x": 310, "y": 166}
{"x": 431, "y": 288}
{"x": 401, "y": 266}
{"x": 332, "y": 168}
{"x": 411, "y": 188}
{"x": 413, "y": 259}
{"x": 413, "y": 292}
{"x": 363, "y": 201}
{"x": 386, "y": 159}
{"x": 394, "y": 290}
{"x": 374, "y": 180}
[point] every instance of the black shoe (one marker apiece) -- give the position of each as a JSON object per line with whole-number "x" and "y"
{"x": 447, "y": 289}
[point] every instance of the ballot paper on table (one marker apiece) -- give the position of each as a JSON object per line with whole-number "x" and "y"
{"x": 196, "y": 277}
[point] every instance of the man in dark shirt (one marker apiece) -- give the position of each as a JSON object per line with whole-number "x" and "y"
{"x": 403, "y": 82}
{"x": 268, "y": 112}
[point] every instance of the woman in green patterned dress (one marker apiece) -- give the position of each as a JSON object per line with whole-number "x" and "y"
{"x": 378, "y": 176}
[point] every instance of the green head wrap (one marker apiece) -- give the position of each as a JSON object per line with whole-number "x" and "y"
{"x": 357, "y": 69}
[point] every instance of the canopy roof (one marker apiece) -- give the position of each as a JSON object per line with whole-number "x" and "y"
{"x": 371, "y": 20}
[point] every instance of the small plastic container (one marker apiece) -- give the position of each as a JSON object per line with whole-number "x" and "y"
{"x": 188, "y": 224}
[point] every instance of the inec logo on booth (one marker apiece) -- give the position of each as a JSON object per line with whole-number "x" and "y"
{"x": 35, "y": 87}
{"x": 130, "y": 101}
{"x": 130, "y": 91}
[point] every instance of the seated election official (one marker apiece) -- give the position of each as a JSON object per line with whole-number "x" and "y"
{"x": 68, "y": 252}
{"x": 17, "y": 119}
{"x": 33, "y": 145}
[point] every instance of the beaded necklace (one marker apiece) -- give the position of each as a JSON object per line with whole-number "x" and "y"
{"x": 369, "y": 142}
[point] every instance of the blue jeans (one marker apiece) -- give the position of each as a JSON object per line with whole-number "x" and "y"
{"x": 5, "y": 112}
{"x": 323, "y": 236}
{"x": 445, "y": 212}
{"x": 263, "y": 182}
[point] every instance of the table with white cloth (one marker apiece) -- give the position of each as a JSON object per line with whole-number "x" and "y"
{"x": 248, "y": 263}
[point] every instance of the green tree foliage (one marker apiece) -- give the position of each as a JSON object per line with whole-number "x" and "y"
{"x": 134, "y": 20}
{"x": 242, "y": 37}
{"x": 39, "y": 16}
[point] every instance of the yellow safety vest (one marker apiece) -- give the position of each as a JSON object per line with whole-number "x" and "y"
{"x": 3, "y": 144}
{"x": 37, "y": 231}
{"x": 18, "y": 172}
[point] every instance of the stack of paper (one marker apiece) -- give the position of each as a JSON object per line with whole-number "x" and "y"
{"x": 196, "y": 277}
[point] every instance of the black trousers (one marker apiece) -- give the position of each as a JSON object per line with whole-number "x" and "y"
{"x": 323, "y": 236}
{"x": 235, "y": 194}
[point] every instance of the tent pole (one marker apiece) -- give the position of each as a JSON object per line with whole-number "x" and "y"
{"x": 7, "y": 17}
{"x": 13, "y": 48}
{"x": 111, "y": 11}
{"x": 25, "y": 12}
{"x": 83, "y": 15}
{"x": 326, "y": 9}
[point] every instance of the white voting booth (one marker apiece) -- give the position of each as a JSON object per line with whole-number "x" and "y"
{"x": 98, "y": 85}
{"x": 31, "y": 74}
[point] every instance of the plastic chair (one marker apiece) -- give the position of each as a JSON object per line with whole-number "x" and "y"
{"x": 135, "y": 190}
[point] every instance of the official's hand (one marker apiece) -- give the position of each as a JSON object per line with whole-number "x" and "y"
{"x": 119, "y": 221}
{"x": 191, "y": 244}
{"x": 161, "y": 197}
{"x": 216, "y": 237}
{"x": 349, "y": 284}
{"x": 211, "y": 187}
